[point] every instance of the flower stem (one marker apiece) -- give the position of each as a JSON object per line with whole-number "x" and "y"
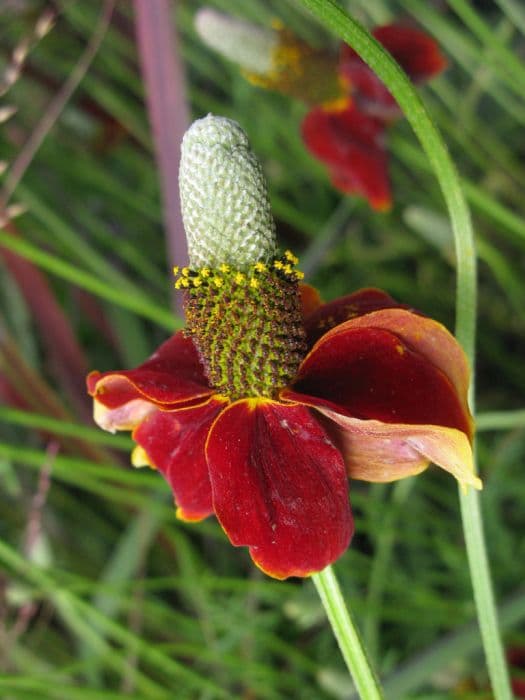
{"x": 483, "y": 593}
{"x": 347, "y": 635}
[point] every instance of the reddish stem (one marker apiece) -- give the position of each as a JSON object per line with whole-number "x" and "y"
{"x": 163, "y": 74}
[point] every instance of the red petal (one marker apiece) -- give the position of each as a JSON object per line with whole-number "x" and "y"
{"x": 335, "y": 312}
{"x": 171, "y": 376}
{"x": 174, "y": 444}
{"x": 368, "y": 92}
{"x": 373, "y": 374}
{"x": 279, "y": 486}
{"x": 416, "y": 52}
{"x": 351, "y": 145}
{"x": 518, "y": 687}
{"x": 428, "y": 338}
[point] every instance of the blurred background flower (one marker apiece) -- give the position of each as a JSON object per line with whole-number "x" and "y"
{"x": 346, "y": 128}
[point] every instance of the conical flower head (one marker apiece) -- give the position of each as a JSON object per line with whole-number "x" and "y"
{"x": 225, "y": 204}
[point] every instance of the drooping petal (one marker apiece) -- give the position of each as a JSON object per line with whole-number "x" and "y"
{"x": 416, "y": 52}
{"x": 172, "y": 376}
{"x": 364, "y": 301}
{"x": 373, "y": 373}
{"x": 351, "y": 144}
{"x": 279, "y": 486}
{"x": 382, "y": 452}
{"x": 425, "y": 336}
{"x": 174, "y": 442}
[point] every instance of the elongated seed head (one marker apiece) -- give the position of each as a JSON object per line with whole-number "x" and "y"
{"x": 225, "y": 204}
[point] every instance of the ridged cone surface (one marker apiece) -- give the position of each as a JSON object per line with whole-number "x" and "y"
{"x": 225, "y": 205}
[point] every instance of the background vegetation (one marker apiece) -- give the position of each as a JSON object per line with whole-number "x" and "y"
{"x": 103, "y": 594}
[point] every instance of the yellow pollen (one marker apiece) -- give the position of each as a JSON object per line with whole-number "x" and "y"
{"x": 182, "y": 282}
{"x": 291, "y": 257}
{"x": 253, "y": 283}
{"x": 218, "y": 281}
{"x": 259, "y": 267}
{"x": 204, "y": 272}
{"x": 176, "y": 270}
{"x": 278, "y": 264}
{"x": 339, "y": 104}
{"x": 239, "y": 278}
{"x": 197, "y": 281}
{"x": 185, "y": 271}
{"x": 299, "y": 275}
{"x": 224, "y": 268}
{"x": 400, "y": 349}
{"x": 287, "y": 269}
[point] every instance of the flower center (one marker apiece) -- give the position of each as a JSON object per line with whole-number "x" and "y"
{"x": 300, "y": 71}
{"x": 246, "y": 325}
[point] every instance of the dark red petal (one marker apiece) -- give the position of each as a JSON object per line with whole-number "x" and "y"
{"x": 351, "y": 144}
{"x": 518, "y": 687}
{"x": 172, "y": 375}
{"x": 174, "y": 442}
{"x": 416, "y": 52}
{"x": 428, "y": 338}
{"x": 279, "y": 486}
{"x": 516, "y": 657}
{"x": 335, "y": 312}
{"x": 373, "y": 374}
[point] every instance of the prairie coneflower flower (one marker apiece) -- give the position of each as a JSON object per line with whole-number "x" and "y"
{"x": 351, "y": 108}
{"x": 264, "y": 405}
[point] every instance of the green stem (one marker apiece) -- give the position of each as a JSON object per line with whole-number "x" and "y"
{"x": 483, "y": 593}
{"x": 347, "y": 635}
{"x": 339, "y": 22}
{"x": 501, "y": 420}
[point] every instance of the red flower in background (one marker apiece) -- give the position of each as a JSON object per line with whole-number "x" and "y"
{"x": 349, "y": 136}
{"x": 380, "y": 393}
{"x": 352, "y": 145}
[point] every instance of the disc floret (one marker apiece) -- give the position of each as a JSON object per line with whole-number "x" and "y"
{"x": 246, "y": 324}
